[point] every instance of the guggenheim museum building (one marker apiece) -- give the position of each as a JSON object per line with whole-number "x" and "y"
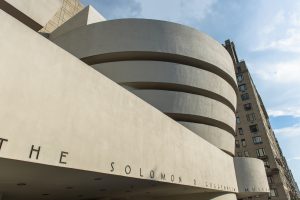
{"x": 129, "y": 109}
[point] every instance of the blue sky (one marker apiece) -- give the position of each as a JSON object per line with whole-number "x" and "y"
{"x": 267, "y": 36}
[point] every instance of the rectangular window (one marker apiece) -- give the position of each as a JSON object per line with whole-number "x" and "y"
{"x": 240, "y": 131}
{"x": 273, "y": 192}
{"x": 246, "y": 153}
{"x": 270, "y": 179}
{"x": 260, "y": 152}
{"x": 266, "y": 163}
{"x": 240, "y": 77}
{"x": 238, "y": 120}
{"x": 248, "y": 106}
{"x": 239, "y": 69}
{"x": 237, "y": 144}
{"x": 251, "y": 117}
{"x": 245, "y": 96}
{"x": 243, "y": 141}
{"x": 253, "y": 128}
{"x": 239, "y": 154}
{"x": 257, "y": 140}
{"x": 242, "y": 87}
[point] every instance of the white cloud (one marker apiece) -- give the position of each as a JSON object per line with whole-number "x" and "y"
{"x": 295, "y": 112}
{"x": 294, "y": 158}
{"x": 179, "y": 11}
{"x": 290, "y": 42}
{"x": 284, "y": 72}
{"x": 292, "y": 131}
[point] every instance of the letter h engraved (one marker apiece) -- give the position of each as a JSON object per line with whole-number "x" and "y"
{"x": 37, "y": 151}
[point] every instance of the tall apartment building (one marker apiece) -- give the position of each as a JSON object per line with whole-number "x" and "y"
{"x": 255, "y": 137}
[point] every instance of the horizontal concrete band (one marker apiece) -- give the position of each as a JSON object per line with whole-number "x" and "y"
{"x": 250, "y": 173}
{"x": 51, "y": 99}
{"x": 190, "y": 107}
{"x": 169, "y": 76}
{"x": 214, "y": 135}
{"x": 161, "y": 57}
{"x": 142, "y": 39}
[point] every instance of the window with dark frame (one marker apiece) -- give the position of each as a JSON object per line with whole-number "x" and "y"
{"x": 247, "y": 106}
{"x": 251, "y": 117}
{"x": 245, "y": 96}
{"x": 257, "y": 140}
{"x": 243, "y": 87}
{"x": 273, "y": 192}
{"x": 240, "y": 130}
{"x": 243, "y": 141}
{"x": 253, "y": 128}
{"x": 260, "y": 152}
{"x": 240, "y": 77}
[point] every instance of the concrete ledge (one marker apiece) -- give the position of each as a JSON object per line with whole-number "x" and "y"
{"x": 251, "y": 176}
{"x": 169, "y": 76}
{"x": 34, "y": 13}
{"x": 214, "y": 135}
{"x": 194, "y": 108}
{"x": 160, "y": 40}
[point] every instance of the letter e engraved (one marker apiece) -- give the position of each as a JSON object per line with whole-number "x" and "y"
{"x": 33, "y": 150}
{"x": 63, "y": 155}
{"x": 2, "y": 140}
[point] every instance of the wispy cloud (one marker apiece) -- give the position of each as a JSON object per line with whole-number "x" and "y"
{"x": 285, "y": 111}
{"x": 281, "y": 33}
{"x": 292, "y": 131}
{"x": 294, "y": 158}
{"x": 113, "y": 9}
{"x": 282, "y": 72}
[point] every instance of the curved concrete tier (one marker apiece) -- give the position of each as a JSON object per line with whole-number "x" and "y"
{"x": 144, "y": 39}
{"x": 169, "y": 76}
{"x": 251, "y": 176}
{"x": 214, "y": 135}
{"x": 183, "y": 106}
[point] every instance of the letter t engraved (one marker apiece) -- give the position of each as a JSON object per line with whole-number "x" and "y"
{"x": 2, "y": 140}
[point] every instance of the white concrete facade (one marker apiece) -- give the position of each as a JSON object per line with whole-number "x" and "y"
{"x": 77, "y": 134}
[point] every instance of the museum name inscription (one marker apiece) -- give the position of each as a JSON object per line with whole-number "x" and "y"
{"x": 34, "y": 153}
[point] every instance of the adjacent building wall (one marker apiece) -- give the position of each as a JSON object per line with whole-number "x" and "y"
{"x": 260, "y": 143}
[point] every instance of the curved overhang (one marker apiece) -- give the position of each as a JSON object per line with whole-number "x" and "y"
{"x": 251, "y": 177}
{"x": 214, "y": 135}
{"x": 143, "y": 39}
{"x": 57, "y": 111}
{"x": 169, "y": 76}
{"x": 188, "y": 107}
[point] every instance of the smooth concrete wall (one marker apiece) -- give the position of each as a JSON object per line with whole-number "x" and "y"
{"x": 128, "y": 39}
{"x": 190, "y": 107}
{"x": 177, "y": 69}
{"x": 52, "y": 100}
{"x": 216, "y": 136}
{"x": 169, "y": 76}
{"x": 40, "y": 11}
{"x": 141, "y": 77}
{"x": 251, "y": 176}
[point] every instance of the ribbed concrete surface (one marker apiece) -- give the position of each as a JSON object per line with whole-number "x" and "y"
{"x": 184, "y": 73}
